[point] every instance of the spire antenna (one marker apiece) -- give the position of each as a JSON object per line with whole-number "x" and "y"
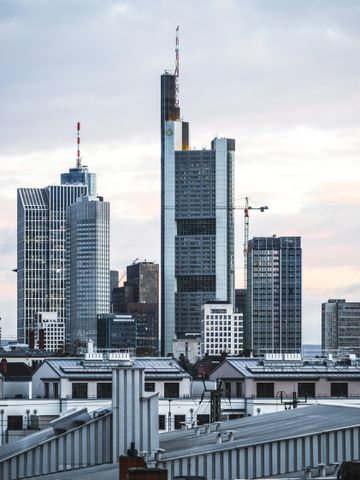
{"x": 177, "y": 67}
{"x": 78, "y": 159}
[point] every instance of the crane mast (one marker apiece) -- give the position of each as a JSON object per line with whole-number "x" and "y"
{"x": 246, "y": 209}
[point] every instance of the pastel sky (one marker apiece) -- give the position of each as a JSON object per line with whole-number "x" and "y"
{"x": 280, "y": 77}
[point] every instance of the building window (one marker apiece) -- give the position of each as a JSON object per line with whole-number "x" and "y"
{"x": 179, "y": 422}
{"x": 56, "y": 390}
{"x": 47, "y": 389}
{"x": 161, "y": 422}
{"x": 79, "y": 390}
{"x": 15, "y": 422}
{"x": 149, "y": 386}
{"x": 306, "y": 390}
{"x": 202, "y": 419}
{"x": 265, "y": 390}
{"x": 227, "y": 389}
{"x": 171, "y": 390}
{"x": 239, "y": 389}
{"x": 339, "y": 389}
{"x": 103, "y": 390}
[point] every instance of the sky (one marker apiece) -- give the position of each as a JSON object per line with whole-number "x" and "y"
{"x": 280, "y": 77}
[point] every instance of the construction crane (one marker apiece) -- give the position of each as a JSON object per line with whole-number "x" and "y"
{"x": 246, "y": 209}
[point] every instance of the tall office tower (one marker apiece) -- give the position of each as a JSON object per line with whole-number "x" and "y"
{"x": 140, "y": 297}
{"x": 197, "y": 238}
{"x": 41, "y": 217}
{"x": 41, "y": 255}
{"x": 143, "y": 277}
{"x": 340, "y": 326}
{"x": 114, "y": 279}
{"x": 273, "y": 322}
{"x": 88, "y": 266}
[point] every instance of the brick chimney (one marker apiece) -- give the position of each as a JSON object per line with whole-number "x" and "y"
{"x": 3, "y": 365}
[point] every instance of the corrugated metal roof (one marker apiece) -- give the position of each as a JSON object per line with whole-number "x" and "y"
{"x": 260, "y": 429}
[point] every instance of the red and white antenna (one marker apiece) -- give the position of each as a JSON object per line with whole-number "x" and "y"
{"x": 78, "y": 159}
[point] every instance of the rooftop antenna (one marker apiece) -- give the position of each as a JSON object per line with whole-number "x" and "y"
{"x": 78, "y": 159}
{"x": 177, "y": 63}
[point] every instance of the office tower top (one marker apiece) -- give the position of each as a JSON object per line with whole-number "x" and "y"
{"x": 340, "y": 326}
{"x": 197, "y": 238}
{"x": 273, "y": 322}
{"x": 88, "y": 266}
{"x": 80, "y": 175}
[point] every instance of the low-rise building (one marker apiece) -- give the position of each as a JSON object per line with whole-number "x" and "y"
{"x": 187, "y": 346}
{"x": 287, "y": 375}
{"x": 221, "y": 329}
{"x": 116, "y": 331}
{"x": 90, "y": 377}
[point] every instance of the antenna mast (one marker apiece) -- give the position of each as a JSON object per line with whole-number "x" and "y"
{"x": 177, "y": 71}
{"x": 78, "y": 159}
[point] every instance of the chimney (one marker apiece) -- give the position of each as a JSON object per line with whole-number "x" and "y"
{"x": 3, "y": 365}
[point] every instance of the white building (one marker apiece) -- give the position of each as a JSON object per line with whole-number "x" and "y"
{"x": 221, "y": 329}
{"x": 188, "y": 346}
{"x": 49, "y": 331}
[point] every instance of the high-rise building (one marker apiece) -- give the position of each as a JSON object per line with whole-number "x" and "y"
{"x": 140, "y": 297}
{"x": 340, "y": 326}
{"x": 41, "y": 218}
{"x": 114, "y": 279}
{"x": 197, "y": 238}
{"x": 143, "y": 277}
{"x": 88, "y": 266}
{"x": 273, "y": 321}
{"x": 41, "y": 253}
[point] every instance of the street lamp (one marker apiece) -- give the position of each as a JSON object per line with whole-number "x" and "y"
{"x": 2, "y": 426}
{"x": 169, "y": 415}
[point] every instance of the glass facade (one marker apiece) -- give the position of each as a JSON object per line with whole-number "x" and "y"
{"x": 41, "y": 256}
{"x": 197, "y": 236}
{"x": 116, "y": 332}
{"x": 88, "y": 266}
{"x": 273, "y": 322}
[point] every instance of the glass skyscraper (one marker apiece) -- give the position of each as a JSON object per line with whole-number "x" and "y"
{"x": 197, "y": 227}
{"x": 88, "y": 266}
{"x": 273, "y": 320}
{"x": 41, "y": 254}
{"x": 41, "y": 216}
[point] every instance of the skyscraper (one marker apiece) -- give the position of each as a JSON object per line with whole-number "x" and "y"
{"x": 41, "y": 254}
{"x": 41, "y": 217}
{"x": 273, "y": 322}
{"x": 88, "y": 266}
{"x": 340, "y": 326}
{"x": 140, "y": 297}
{"x": 197, "y": 238}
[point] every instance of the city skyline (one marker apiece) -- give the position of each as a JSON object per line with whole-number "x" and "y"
{"x": 289, "y": 83}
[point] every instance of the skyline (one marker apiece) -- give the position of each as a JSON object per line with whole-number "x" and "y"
{"x": 286, "y": 76}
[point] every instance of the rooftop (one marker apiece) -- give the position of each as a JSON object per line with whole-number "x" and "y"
{"x": 259, "y": 430}
{"x": 260, "y": 368}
